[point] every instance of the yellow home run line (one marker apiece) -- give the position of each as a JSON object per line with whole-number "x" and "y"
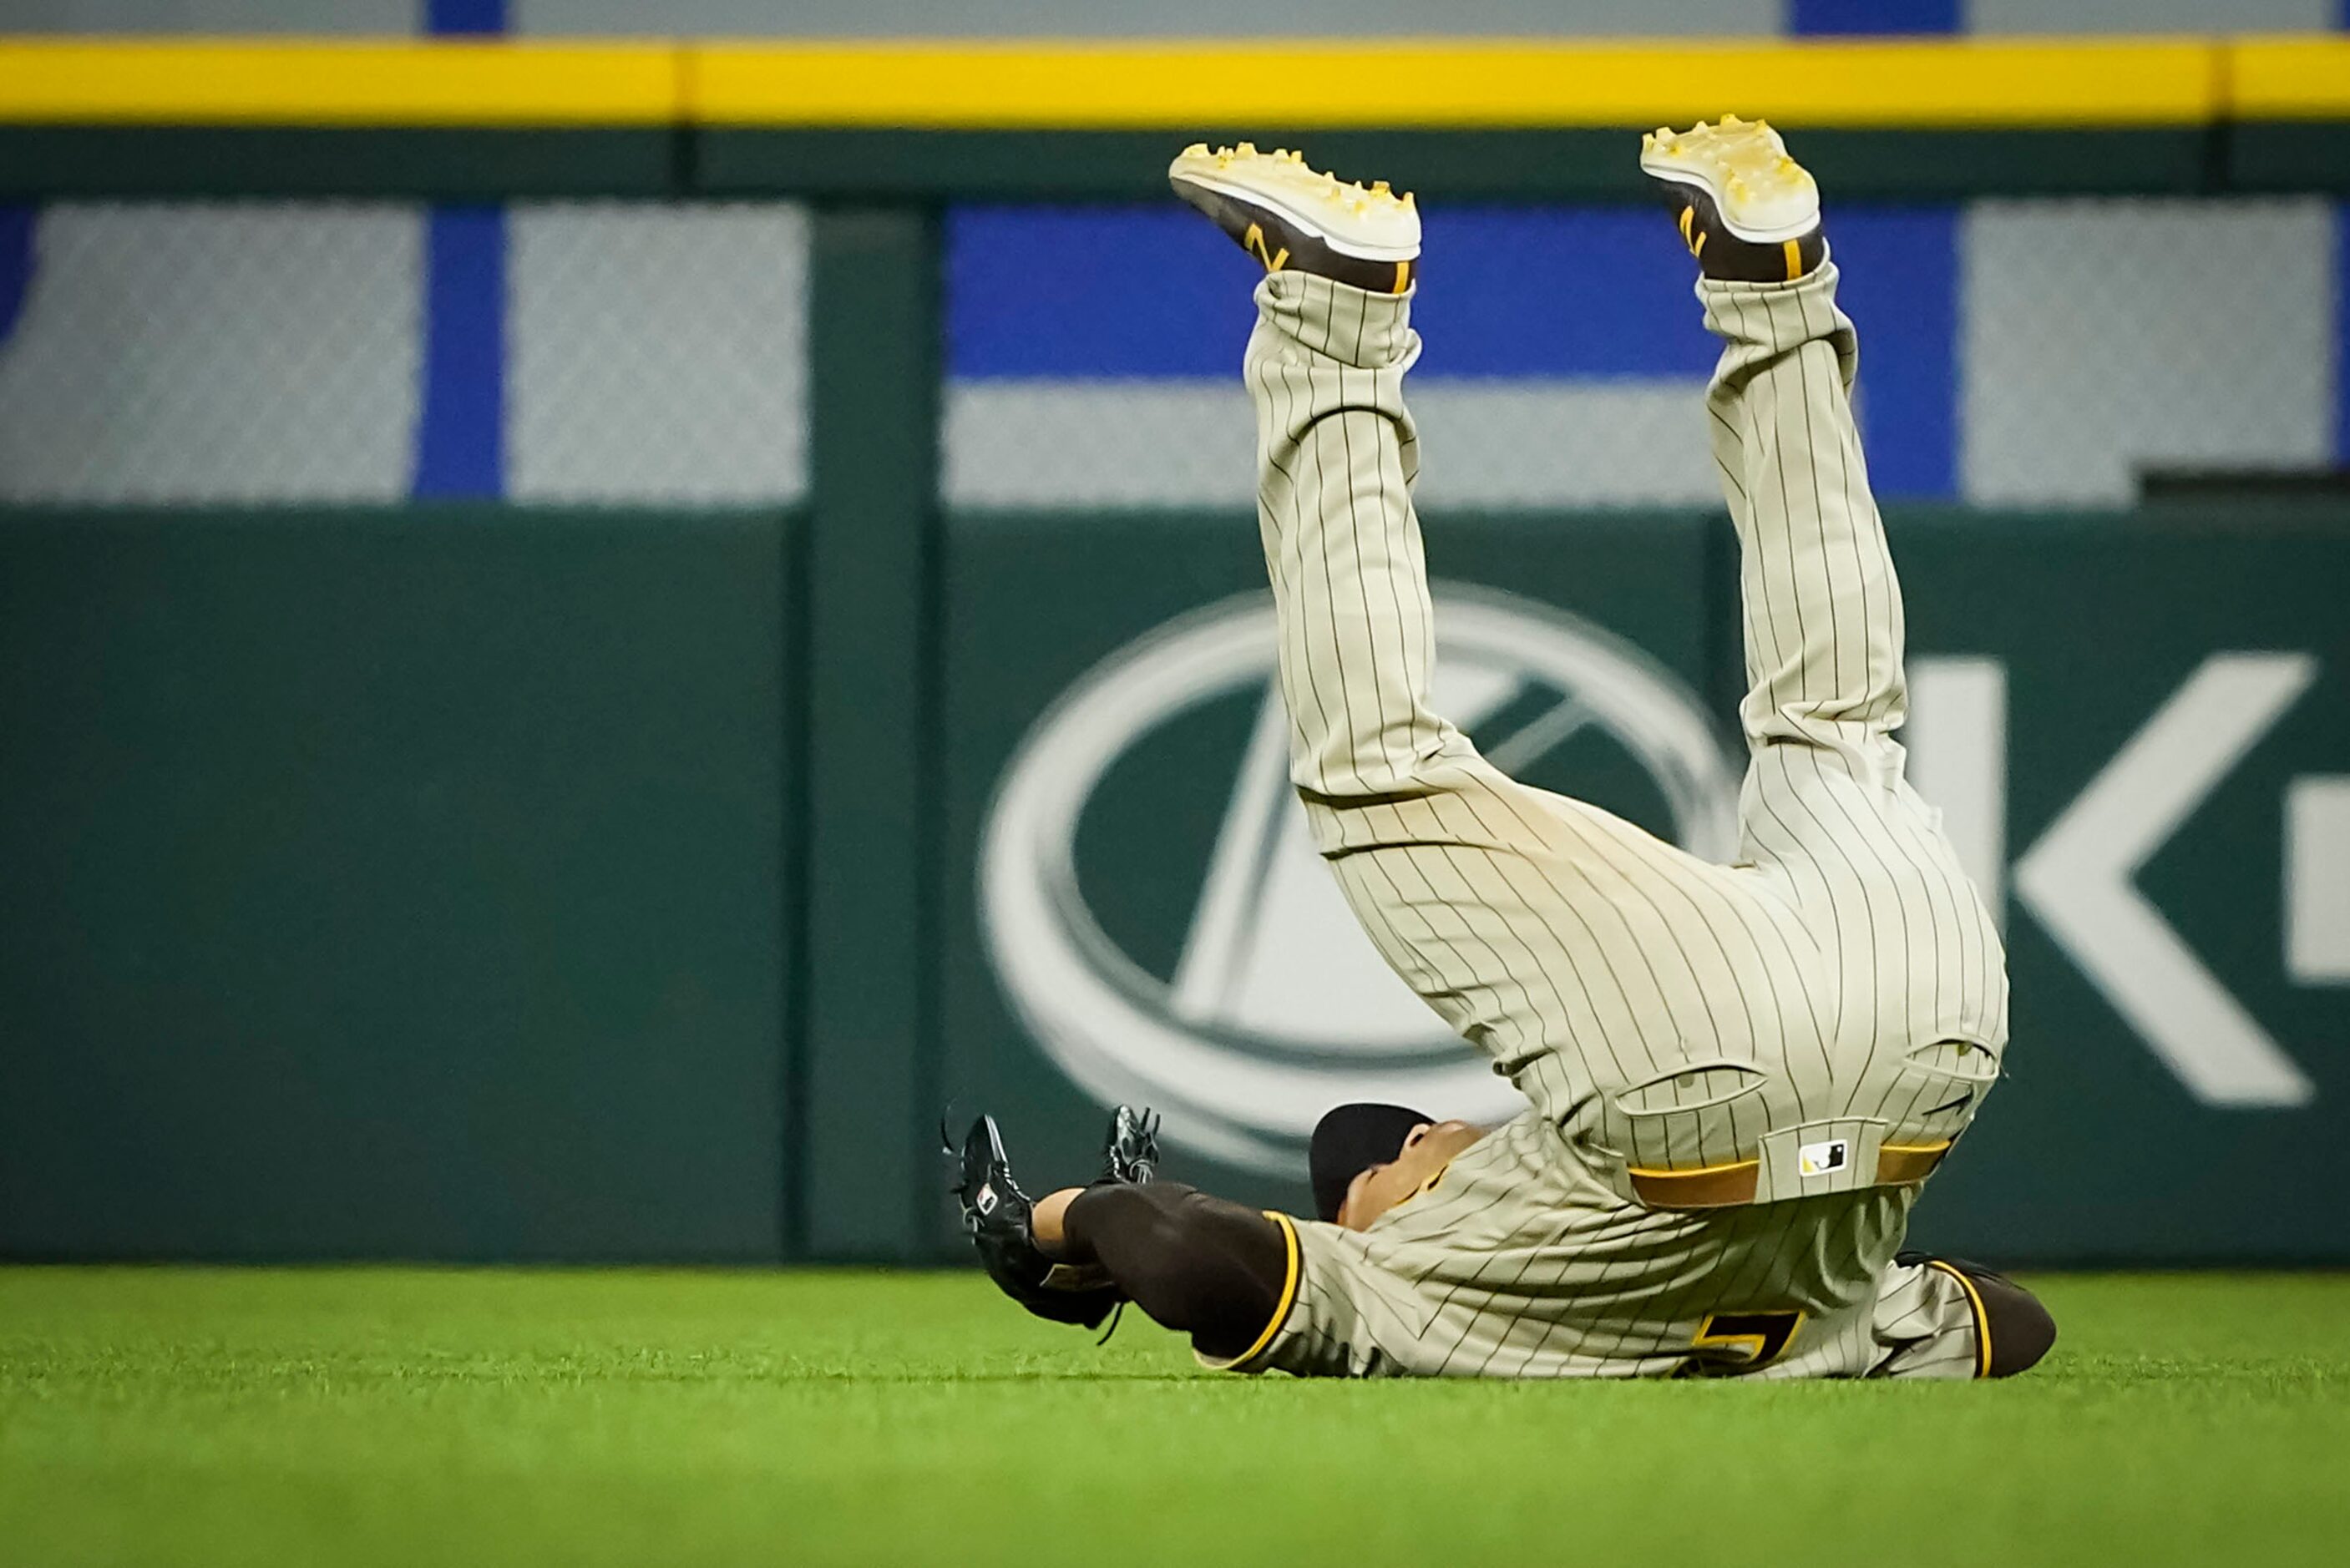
{"x": 1014, "y": 85}
{"x": 1480, "y": 85}
{"x": 2290, "y": 78}
{"x": 333, "y": 83}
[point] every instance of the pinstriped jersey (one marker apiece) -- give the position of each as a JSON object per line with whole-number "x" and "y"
{"x": 1515, "y": 1263}
{"x": 1740, "y": 1074}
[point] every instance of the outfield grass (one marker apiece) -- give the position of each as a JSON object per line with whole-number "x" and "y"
{"x": 421, "y": 1418}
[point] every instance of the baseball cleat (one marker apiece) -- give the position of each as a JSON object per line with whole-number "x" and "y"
{"x": 1293, "y": 218}
{"x": 1748, "y": 212}
{"x": 998, "y": 1217}
{"x": 1130, "y": 1149}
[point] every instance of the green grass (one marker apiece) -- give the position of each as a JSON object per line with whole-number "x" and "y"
{"x": 424, "y": 1418}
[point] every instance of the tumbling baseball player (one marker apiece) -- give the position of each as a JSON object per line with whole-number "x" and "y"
{"x": 1738, "y": 1076}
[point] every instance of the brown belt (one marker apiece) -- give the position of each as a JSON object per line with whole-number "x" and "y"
{"x": 1726, "y": 1185}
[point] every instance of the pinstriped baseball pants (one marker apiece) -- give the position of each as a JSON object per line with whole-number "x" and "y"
{"x": 1841, "y": 981}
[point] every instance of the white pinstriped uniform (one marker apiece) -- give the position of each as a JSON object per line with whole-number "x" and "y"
{"x": 1840, "y": 986}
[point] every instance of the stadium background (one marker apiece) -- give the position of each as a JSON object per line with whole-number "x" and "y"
{"x": 513, "y": 627}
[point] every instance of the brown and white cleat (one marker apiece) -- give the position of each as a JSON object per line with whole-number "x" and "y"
{"x": 1294, "y": 218}
{"x": 1748, "y": 212}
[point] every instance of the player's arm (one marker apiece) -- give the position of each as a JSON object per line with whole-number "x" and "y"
{"x": 1194, "y": 1263}
{"x": 1216, "y": 1271}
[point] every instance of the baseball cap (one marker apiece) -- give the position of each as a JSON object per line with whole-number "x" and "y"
{"x": 1349, "y": 1140}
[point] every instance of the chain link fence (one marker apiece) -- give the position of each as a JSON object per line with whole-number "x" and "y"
{"x": 2016, "y": 353}
{"x": 2101, "y": 341}
{"x": 277, "y": 352}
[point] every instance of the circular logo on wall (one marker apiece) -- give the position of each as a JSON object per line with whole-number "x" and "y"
{"x": 1278, "y": 1007}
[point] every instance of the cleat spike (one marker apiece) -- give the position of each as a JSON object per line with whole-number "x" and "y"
{"x": 1246, "y": 149}
{"x": 1197, "y": 150}
{"x": 1378, "y": 187}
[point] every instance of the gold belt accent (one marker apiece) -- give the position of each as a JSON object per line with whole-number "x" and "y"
{"x": 1902, "y": 1164}
{"x": 1727, "y": 1186}
{"x": 1709, "y": 1187}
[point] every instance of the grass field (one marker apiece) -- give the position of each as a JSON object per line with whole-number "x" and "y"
{"x": 424, "y": 1417}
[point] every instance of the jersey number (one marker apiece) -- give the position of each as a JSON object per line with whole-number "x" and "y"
{"x": 1740, "y": 1341}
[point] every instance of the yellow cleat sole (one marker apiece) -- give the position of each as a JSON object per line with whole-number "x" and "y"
{"x": 1370, "y": 222}
{"x": 1761, "y": 194}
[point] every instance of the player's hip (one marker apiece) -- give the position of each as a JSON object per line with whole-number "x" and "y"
{"x": 1716, "y": 1124}
{"x": 1604, "y": 1292}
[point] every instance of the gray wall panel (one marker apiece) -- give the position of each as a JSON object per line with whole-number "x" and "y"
{"x": 658, "y": 353}
{"x": 2097, "y": 338}
{"x": 232, "y": 351}
{"x": 1143, "y": 18}
{"x": 2151, "y": 15}
{"x": 209, "y": 16}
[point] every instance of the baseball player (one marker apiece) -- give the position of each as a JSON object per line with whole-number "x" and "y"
{"x": 1738, "y": 1076}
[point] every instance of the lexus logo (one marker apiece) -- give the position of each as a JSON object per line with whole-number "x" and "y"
{"x": 1278, "y": 1007}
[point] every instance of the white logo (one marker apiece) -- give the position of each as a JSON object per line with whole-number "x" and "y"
{"x": 1821, "y": 1159}
{"x": 1279, "y": 1008}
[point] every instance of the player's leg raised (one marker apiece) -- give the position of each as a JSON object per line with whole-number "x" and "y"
{"x": 1823, "y": 620}
{"x": 1543, "y": 929}
{"x": 1336, "y": 459}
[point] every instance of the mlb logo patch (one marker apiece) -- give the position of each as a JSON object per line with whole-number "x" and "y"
{"x": 1824, "y": 1159}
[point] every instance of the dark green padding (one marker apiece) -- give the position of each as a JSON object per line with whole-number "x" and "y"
{"x": 400, "y": 885}
{"x": 70, "y": 161}
{"x": 1578, "y": 164}
{"x": 1504, "y": 165}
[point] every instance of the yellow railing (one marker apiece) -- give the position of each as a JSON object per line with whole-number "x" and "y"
{"x": 1486, "y": 84}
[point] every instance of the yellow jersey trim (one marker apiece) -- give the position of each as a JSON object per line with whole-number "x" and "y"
{"x": 1111, "y": 85}
{"x": 1759, "y": 1353}
{"x": 1975, "y": 1304}
{"x": 1281, "y": 1312}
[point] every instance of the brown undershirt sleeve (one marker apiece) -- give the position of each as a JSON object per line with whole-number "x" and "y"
{"x": 1196, "y": 1264}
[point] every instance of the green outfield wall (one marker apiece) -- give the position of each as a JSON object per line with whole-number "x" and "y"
{"x": 459, "y": 883}
{"x": 394, "y": 885}
{"x": 481, "y": 884}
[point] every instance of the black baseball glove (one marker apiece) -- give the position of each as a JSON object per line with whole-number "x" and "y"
{"x": 998, "y": 1218}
